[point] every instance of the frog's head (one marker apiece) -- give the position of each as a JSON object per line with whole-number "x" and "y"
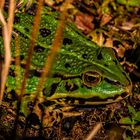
{"x": 104, "y": 81}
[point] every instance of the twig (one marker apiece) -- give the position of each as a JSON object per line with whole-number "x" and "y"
{"x": 2, "y": 4}
{"x": 7, "y": 31}
{"x": 7, "y": 56}
{"x": 17, "y": 63}
{"x": 31, "y": 47}
{"x": 11, "y": 18}
{"x": 56, "y": 45}
{"x": 92, "y": 134}
{"x": 34, "y": 34}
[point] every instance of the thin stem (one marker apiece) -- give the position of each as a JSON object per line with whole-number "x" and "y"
{"x": 54, "y": 49}
{"x": 7, "y": 35}
{"x": 92, "y": 134}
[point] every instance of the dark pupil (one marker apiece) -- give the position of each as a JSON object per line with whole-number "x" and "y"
{"x": 91, "y": 79}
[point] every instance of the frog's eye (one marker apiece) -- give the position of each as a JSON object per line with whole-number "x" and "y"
{"x": 91, "y": 78}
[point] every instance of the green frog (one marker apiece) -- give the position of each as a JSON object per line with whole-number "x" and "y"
{"x": 83, "y": 73}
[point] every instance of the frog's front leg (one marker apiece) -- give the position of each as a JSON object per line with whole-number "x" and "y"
{"x": 48, "y": 113}
{"x": 53, "y": 116}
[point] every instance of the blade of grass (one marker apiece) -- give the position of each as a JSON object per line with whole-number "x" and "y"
{"x": 56, "y": 45}
{"x": 7, "y": 55}
{"x": 7, "y": 35}
{"x": 92, "y": 134}
{"x": 34, "y": 34}
{"x": 10, "y": 20}
{"x": 2, "y": 4}
{"x": 17, "y": 63}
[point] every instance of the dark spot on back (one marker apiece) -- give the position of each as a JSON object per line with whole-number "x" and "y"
{"x": 67, "y": 41}
{"x": 38, "y": 49}
{"x": 67, "y": 65}
{"x": 85, "y": 56}
{"x": 44, "y": 32}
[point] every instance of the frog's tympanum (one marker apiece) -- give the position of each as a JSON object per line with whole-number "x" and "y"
{"x": 83, "y": 73}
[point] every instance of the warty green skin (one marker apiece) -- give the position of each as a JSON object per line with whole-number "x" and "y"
{"x": 77, "y": 56}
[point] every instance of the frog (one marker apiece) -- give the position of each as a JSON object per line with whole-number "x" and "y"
{"x": 83, "y": 73}
{"x": 82, "y": 70}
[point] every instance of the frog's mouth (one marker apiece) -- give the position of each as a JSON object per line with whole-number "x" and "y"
{"x": 93, "y": 100}
{"x": 96, "y": 100}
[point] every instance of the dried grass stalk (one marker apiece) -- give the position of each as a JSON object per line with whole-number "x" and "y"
{"x": 17, "y": 63}
{"x": 7, "y": 35}
{"x": 92, "y": 134}
{"x": 56, "y": 45}
{"x": 34, "y": 34}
